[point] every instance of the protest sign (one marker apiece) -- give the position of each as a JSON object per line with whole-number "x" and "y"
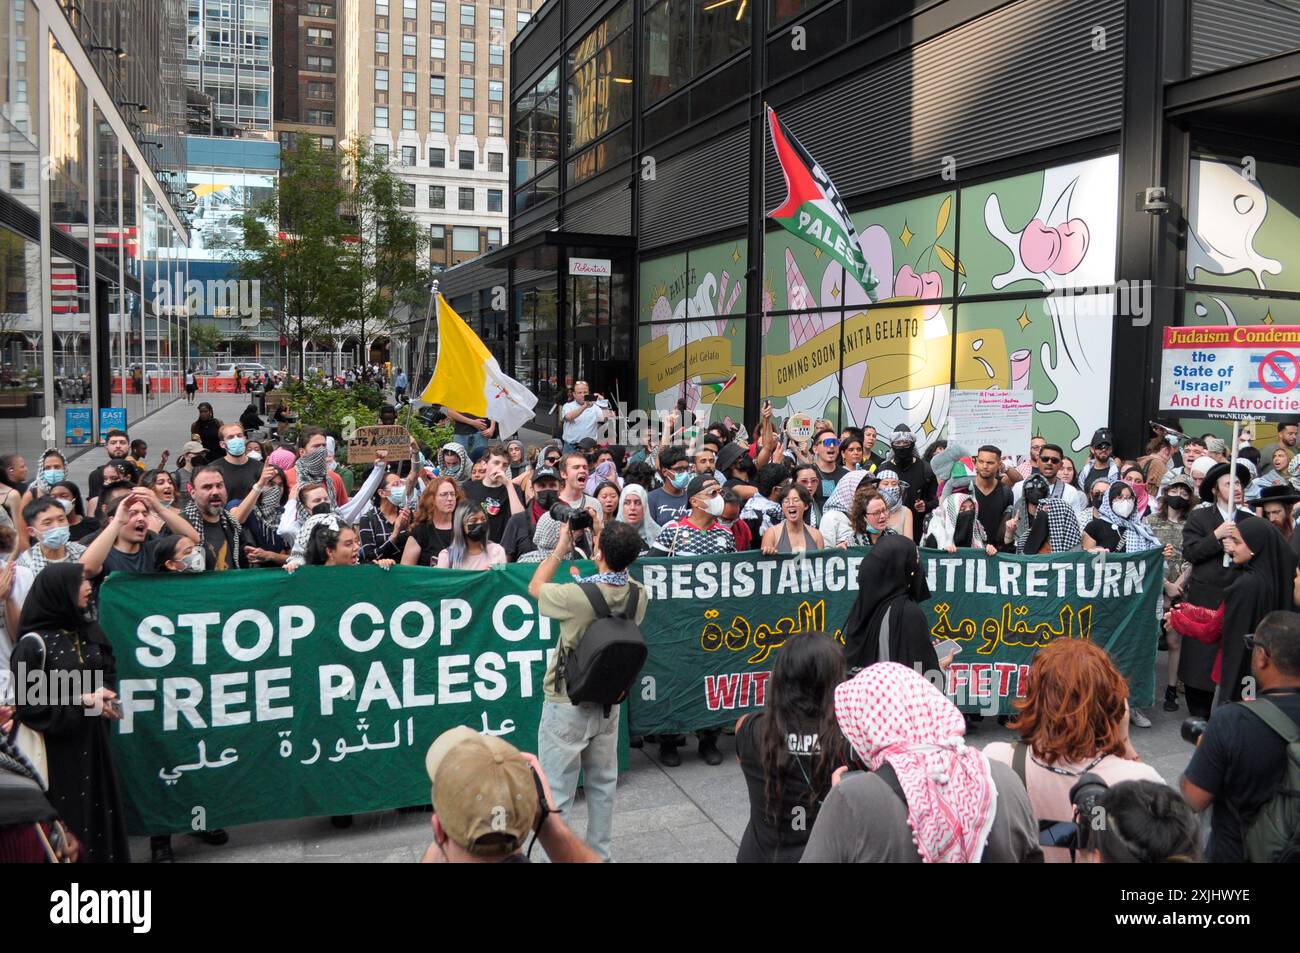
{"x": 714, "y": 624}
{"x": 799, "y": 427}
{"x": 366, "y": 441}
{"x": 254, "y": 695}
{"x": 1001, "y": 418}
{"x": 1231, "y": 372}
{"x": 324, "y": 698}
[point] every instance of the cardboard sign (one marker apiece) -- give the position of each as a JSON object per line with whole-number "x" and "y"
{"x": 799, "y": 427}
{"x": 396, "y": 440}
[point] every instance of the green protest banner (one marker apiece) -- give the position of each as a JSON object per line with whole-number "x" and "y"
{"x": 257, "y": 695}
{"x": 248, "y": 696}
{"x": 718, "y": 621}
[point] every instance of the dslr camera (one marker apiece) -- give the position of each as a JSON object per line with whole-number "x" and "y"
{"x": 576, "y": 516}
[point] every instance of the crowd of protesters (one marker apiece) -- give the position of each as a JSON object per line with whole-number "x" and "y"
{"x": 832, "y": 744}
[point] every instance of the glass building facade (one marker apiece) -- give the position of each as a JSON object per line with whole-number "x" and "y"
{"x": 91, "y": 104}
{"x": 228, "y": 57}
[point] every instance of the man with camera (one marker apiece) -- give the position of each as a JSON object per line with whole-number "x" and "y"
{"x": 495, "y": 494}
{"x": 583, "y": 736}
{"x": 487, "y": 797}
{"x": 582, "y": 415}
{"x": 1241, "y": 761}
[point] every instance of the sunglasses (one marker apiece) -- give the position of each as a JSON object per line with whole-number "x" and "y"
{"x": 1043, "y": 459}
{"x": 1253, "y": 643}
{"x": 552, "y": 460}
{"x": 830, "y": 442}
{"x": 1101, "y": 446}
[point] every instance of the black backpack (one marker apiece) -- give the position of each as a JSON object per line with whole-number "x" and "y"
{"x": 1271, "y": 835}
{"x": 608, "y": 656}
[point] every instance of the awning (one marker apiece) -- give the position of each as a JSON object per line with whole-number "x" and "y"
{"x": 543, "y": 250}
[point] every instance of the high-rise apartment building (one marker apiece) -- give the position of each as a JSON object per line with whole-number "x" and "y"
{"x": 309, "y": 78}
{"x": 228, "y": 57}
{"x": 425, "y": 84}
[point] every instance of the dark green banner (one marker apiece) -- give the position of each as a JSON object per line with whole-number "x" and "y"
{"x": 256, "y": 695}
{"x": 717, "y": 622}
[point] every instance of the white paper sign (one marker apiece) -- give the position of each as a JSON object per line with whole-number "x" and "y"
{"x": 1003, "y": 418}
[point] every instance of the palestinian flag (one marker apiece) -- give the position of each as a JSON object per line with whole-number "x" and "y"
{"x": 715, "y": 388}
{"x": 812, "y": 208}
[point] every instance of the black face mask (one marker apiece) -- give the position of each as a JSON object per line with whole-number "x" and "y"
{"x": 963, "y": 531}
{"x": 1178, "y": 502}
{"x": 1096, "y": 499}
{"x": 320, "y": 509}
{"x": 547, "y": 498}
{"x": 476, "y": 532}
{"x": 903, "y": 454}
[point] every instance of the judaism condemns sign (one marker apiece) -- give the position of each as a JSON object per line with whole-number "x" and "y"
{"x": 1231, "y": 372}
{"x": 256, "y": 695}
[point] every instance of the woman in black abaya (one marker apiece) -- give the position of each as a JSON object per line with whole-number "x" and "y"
{"x": 56, "y": 637}
{"x": 886, "y": 623}
{"x": 1265, "y": 573}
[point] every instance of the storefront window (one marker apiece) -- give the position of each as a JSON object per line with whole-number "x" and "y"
{"x": 600, "y": 79}
{"x": 683, "y": 39}
{"x": 537, "y": 137}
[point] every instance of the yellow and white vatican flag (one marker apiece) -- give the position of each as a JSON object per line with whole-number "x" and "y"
{"x": 468, "y": 379}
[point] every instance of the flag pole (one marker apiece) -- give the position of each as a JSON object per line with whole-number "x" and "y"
{"x": 762, "y": 246}
{"x": 430, "y": 316}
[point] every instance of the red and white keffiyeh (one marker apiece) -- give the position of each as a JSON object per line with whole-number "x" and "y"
{"x": 890, "y": 713}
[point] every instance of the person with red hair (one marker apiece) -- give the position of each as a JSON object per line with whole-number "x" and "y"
{"x": 1072, "y": 721}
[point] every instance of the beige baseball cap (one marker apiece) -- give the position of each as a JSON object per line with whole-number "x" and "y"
{"x": 483, "y": 791}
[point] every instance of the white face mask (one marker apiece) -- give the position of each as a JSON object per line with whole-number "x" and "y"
{"x": 254, "y": 455}
{"x": 1123, "y": 508}
{"x": 195, "y": 561}
{"x": 716, "y": 505}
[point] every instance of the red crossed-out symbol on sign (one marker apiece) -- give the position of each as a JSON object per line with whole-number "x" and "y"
{"x": 1272, "y": 375}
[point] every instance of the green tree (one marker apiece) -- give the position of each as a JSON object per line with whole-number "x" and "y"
{"x": 388, "y": 270}
{"x": 294, "y": 244}
{"x": 205, "y": 337}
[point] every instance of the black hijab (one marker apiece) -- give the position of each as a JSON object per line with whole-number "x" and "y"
{"x": 51, "y": 604}
{"x": 1261, "y": 586}
{"x": 890, "y": 581}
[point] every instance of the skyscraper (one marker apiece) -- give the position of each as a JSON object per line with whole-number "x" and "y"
{"x": 228, "y": 57}
{"x": 308, "y": 51}
{"x": 424, "y": 84}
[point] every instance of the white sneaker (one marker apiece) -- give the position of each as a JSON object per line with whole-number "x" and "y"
{"x": 1138, "y": 718}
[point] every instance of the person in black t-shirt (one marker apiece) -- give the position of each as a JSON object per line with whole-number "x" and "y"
{"x": 432, "y": 531}
{"x": 495, "y": 494}
{"x": 118, "y": 446}
{"x": 992, "y": 497}
{"x": 239, "y": 471}
{"x": 826, "y": 457}
{"x": 1240, "y": 760}
{"x": 123, "y": 545}
{"x": 789, "y": 750}
{"x": 518, "y": 538}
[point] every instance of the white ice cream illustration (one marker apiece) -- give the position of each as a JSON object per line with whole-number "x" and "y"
{"x": 1226, "y": 211}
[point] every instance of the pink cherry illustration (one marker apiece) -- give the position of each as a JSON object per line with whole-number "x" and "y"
{"x": 908, "y": 284}
{"x": 1074, "y": 245}
{"x": 1039, "y": 246}
{"x": 931, "y": 285}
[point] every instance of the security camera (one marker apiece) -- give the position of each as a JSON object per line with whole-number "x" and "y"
{"x": 1154, "y": 200}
